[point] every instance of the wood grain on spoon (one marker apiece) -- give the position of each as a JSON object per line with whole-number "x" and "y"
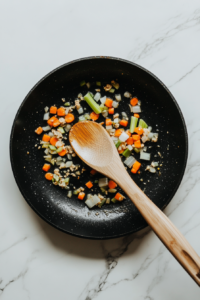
{"x": 94, "y": 146}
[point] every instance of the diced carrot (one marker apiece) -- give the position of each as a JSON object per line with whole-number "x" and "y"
{"x": 135, "y": 167}
{"x": 137, "y": 144}
{"x": 119, "y": 197}
{"x": 118, "y": 132}
{"x": 130, "y": 141}
{"x": 49, "y": 176}
{"x": 94, "y": 116}
{"x": 136, "y": 137}
{"x": 53, "y": 110}
{"x": 81, "y": 196}
{"x": 108, "y": 122}
{"x": 63, "y": 152}
{"x": 89, "y": 184}
{"x": 39, "y": 130}
{"x": 111, "y": 111}
{"x": 137, "y": 116}
{"x": 112, "y": 184}
{"x": 51, "y": 120}
{"x": 139, "y": 130}
{"x": 61, "y": 112}
{"x": 69, "y": 118}
{"x": 123, "y": 123}
{"x": 56, "y": 123}
{"x": 46, "y": 167}
{"x": 93, "y": 172}
{"x": 53, "y": 140}
{"x": 128, "y": 132}
{"x": 101, "y": 123}
{"x": 46, "y": 138}
{"x": 108, "y": 102}
{"x": 121, "y": 151}
{"x": 134, "y": 101}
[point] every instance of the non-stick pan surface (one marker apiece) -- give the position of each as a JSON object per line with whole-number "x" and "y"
{"x": 159, "y": 109}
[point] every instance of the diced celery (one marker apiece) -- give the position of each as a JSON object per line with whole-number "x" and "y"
{"x": 108, "y": 201}
{"x": 118, "y": 144}
{"x": 134, "y": 121}
{"x": 126, "y": 153}
{"x": 56, "y": 177}
{"x": 76, "y": 192}
{"x": 102, "y": 189}
{"x": 142, "y": 124}
{"x": 82, "y": 83}
{"x": 137, "y": 150}
{"x": 66, "y": 180}
{"x": 61, "y": 130}
{"x": 115, "y": 84}
{"x": 96, "y": 181}
{"x": 59, "y": 149}
{"x": 87, "y": 116}
{"x": 51, "y": 147}
{"x": 45, "y": 145}
{"x": 102, "y": 203}
{"x": 67, "y": 104}
{"x": 111, "y": 90}
{"x": 98, "y": 83}
{"x": 92, "y": 103}
{"x": 103, "y": 108}
{"x": 82, "y": 118}
{"x": 114, "y": 200}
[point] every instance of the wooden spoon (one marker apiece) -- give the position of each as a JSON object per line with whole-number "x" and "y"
{"x": 94, "y": 146}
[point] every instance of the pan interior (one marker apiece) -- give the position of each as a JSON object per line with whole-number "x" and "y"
{"x": 159, "y": 110}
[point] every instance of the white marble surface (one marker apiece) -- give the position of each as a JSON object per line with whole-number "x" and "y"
{"x": 37, "y": 261}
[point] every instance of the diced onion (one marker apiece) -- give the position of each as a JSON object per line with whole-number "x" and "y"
{"x": 87, "y": 116}
{"x": 112, "y": 191}
{"x": 69, "y": 156}
{"x": 123, "y": 137}
{"x": 50, "y": 134}
{"x": 69, "y": 194}
{"x": 46, "y": 151}
{"x": 46, "y": 128}
{"x": 145, "y": 138}
{"x": 154, "y": 164}
{"x": 103, "y": 100}
{"x": 145, "y": 156}
{"x": 47, "y": 156}
{"x": 80, "y": 110}
{"x": 149, "y": 128}
{"x": 150, "y": 135}
{"x": 130, "y": 147}
{"x": 115, "y": 104}
{"x": 124, "y": 114}
{"x": 136, "y": 109}
{"x": 59, "y": 158}
{"x": 105, "y": 113}
{"x": 114, "y": 138}
{"x": 152, "y": 170}
{"x": 155, "y": 137}
{"x": 116, "y": 120}
{"x": 92, "y": 201}
{"x": 68, "y": 127}
{"x": 88, "y": 85}
{"x": 46, "y": 109}
{"x": 46, "y": 116}
{"x": 118, "y": 97}
{"x": 109, "y": 127}
{"x": 129, "y": 161}
{"x": 69, "y": 164}
{"x": 127, "y": 95}
{"x": 103, "y": 182}
{"x": 97, "y": 97}
{"x": 139, "y": 103}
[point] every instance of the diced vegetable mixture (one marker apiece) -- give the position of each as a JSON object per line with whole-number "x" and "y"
{"x": 129, "y": 133}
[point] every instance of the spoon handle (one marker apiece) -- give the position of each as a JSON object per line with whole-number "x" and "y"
{"x": 171, "y": 237}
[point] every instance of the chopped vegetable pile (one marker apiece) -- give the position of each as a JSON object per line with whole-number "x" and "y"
{"x": 128, "y": 134}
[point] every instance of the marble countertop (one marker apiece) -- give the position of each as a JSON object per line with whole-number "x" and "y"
{"x": 36, "y": 260}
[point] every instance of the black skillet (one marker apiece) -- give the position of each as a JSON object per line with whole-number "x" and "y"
{"x": 159, "y": 109}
